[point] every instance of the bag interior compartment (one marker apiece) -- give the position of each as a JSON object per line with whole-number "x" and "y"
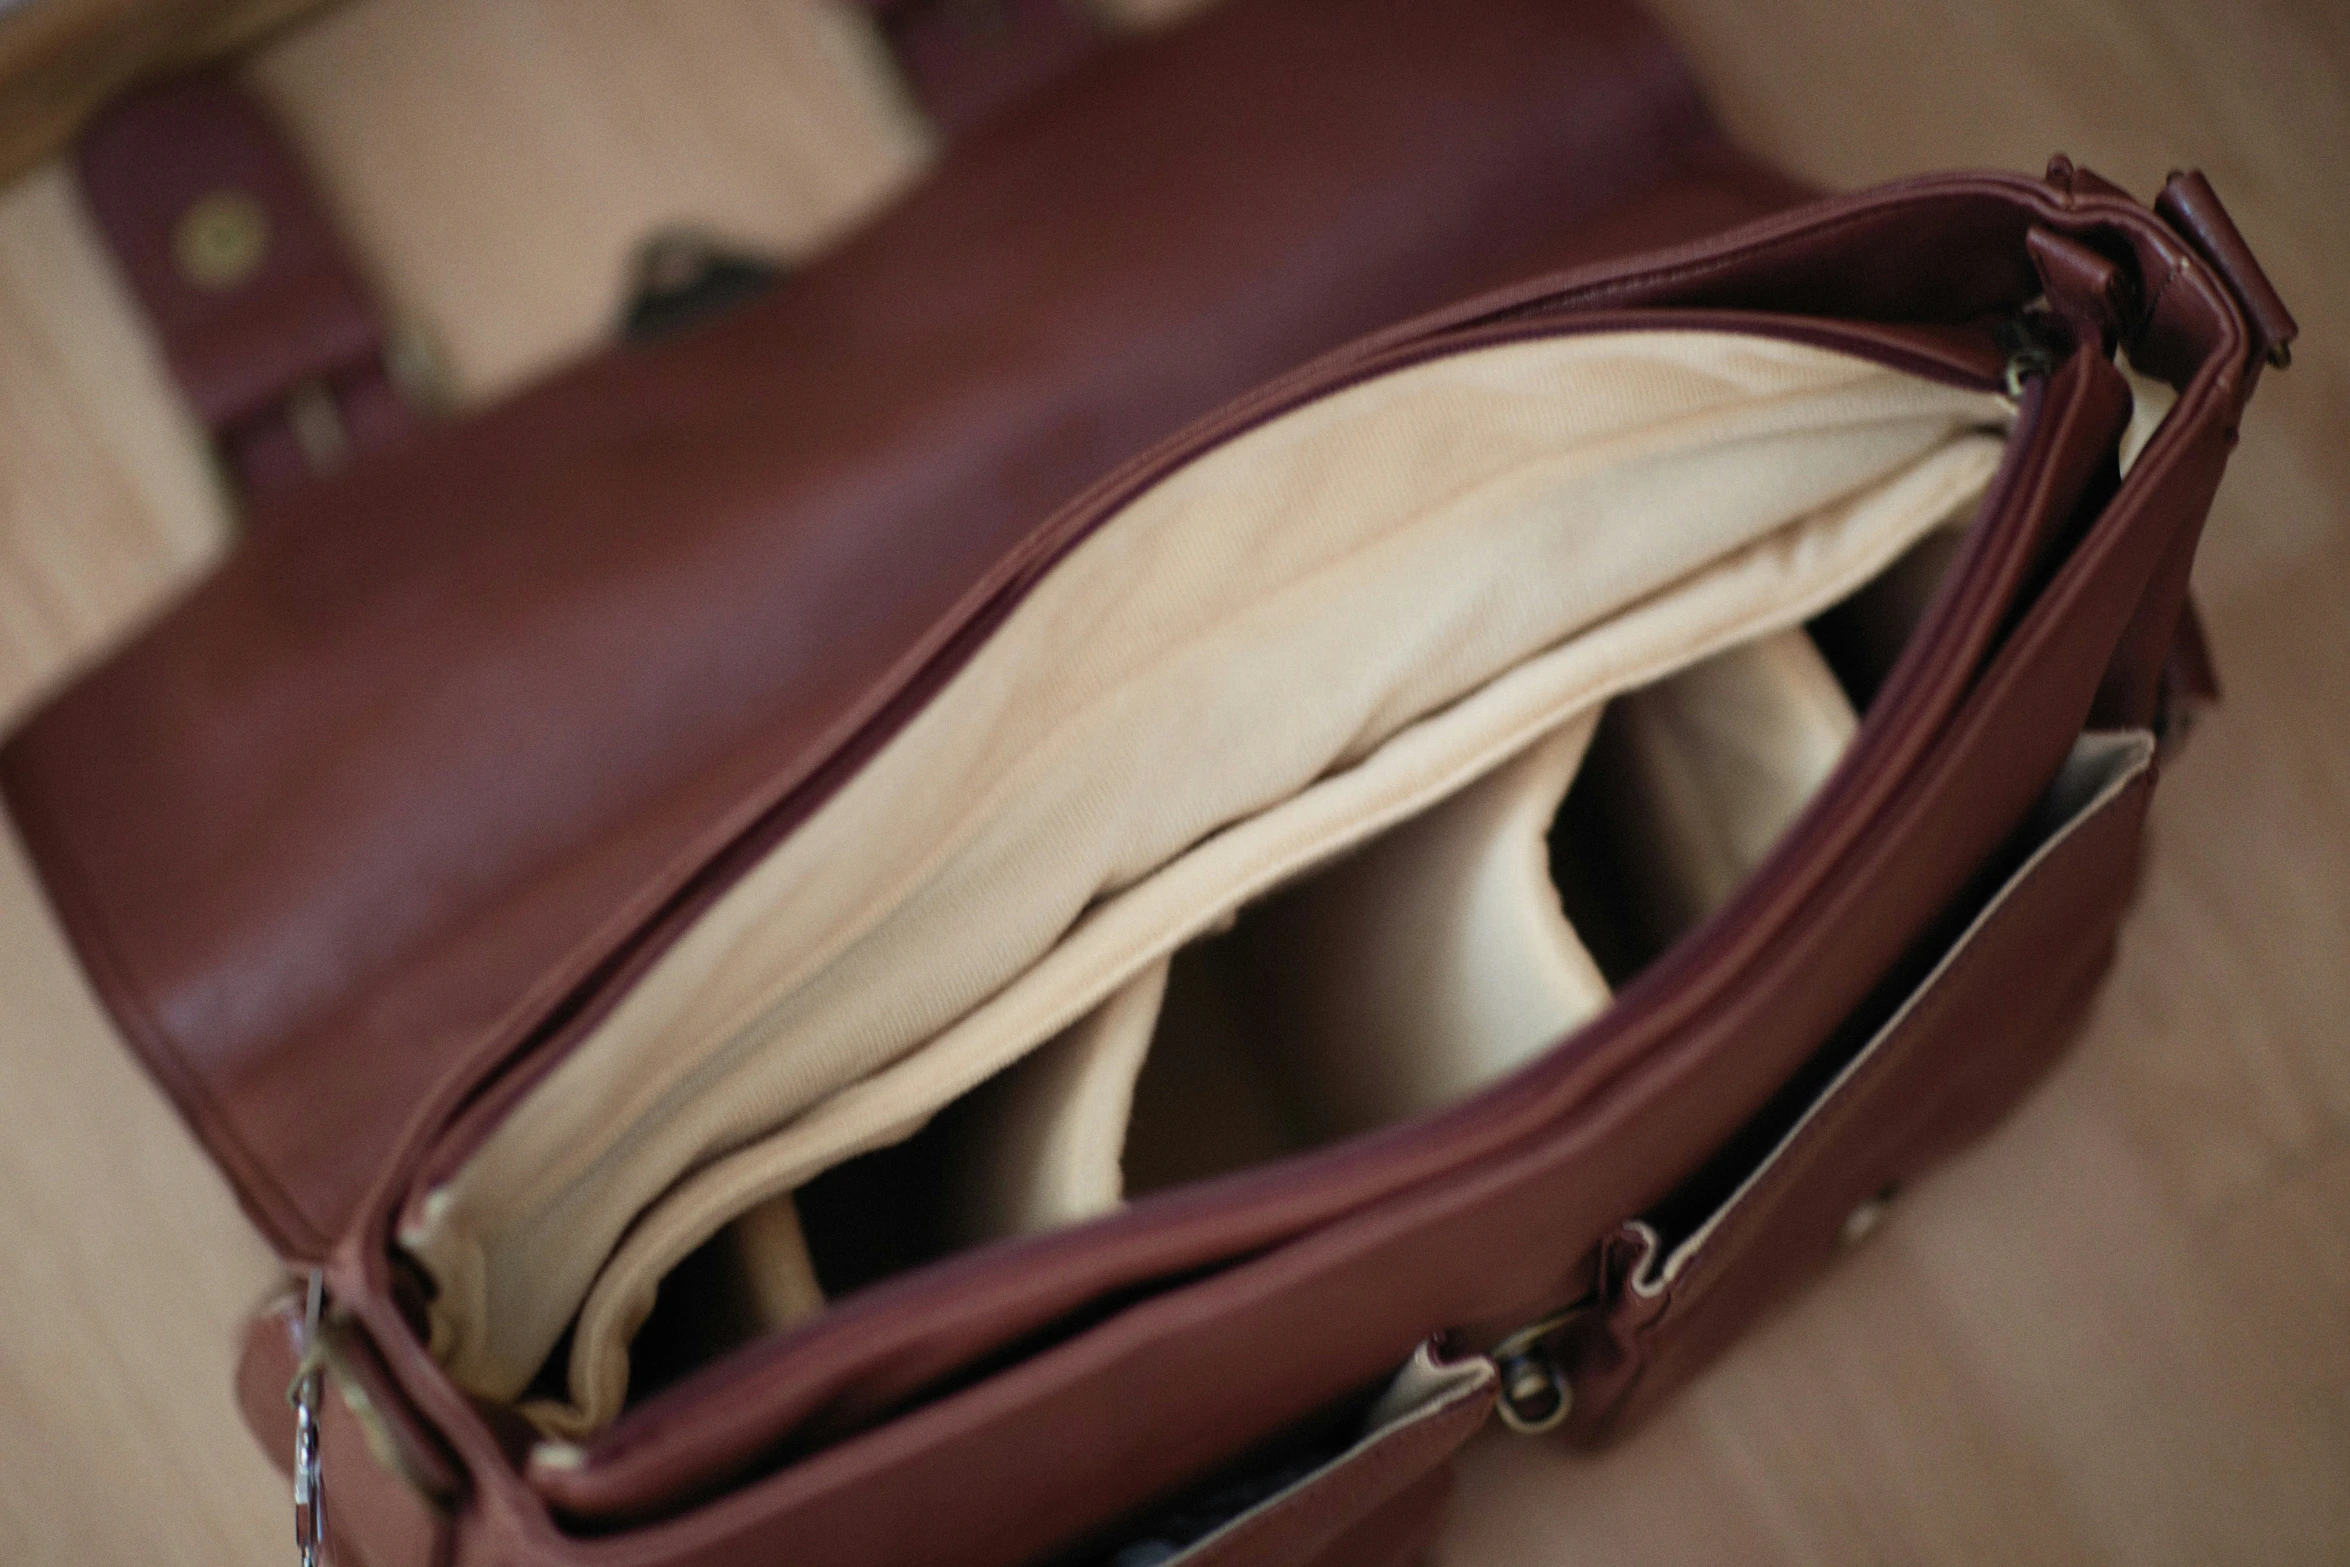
{"x": 1338, "y": 622}
{"x": 1408, "y": 974}
{"x": 1449, "y": 951}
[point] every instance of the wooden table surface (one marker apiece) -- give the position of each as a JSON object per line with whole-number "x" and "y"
{"x": 2119, "y": 1331}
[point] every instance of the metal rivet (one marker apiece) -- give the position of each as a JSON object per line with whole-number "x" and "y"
{"x": 220, "y": 239}
{"x": 1866, "y": 1218}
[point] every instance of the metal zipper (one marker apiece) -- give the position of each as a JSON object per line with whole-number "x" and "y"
{"x": 2031, "y": 352}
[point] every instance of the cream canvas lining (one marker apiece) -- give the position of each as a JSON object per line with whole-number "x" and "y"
{"x": 1384, "y": 594}
{"x": 1428, "y": 963}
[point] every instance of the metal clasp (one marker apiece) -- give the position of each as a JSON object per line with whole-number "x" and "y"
{"x": 2029, "y": 355}
{"x": 304, "y": 1394}
{"x": 1535, "y": 1394}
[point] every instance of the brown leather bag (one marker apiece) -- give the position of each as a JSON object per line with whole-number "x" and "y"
{"x": 657, "y": 895}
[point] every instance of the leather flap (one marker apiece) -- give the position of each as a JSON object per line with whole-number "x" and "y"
{"x": 457, "y": 738}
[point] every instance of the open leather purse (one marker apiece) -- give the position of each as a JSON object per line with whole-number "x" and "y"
{"x": 808, "y": 996}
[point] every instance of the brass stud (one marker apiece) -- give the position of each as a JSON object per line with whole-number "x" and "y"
{"x": 220, "y": 240}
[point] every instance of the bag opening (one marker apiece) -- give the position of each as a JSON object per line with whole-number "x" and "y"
{"x": 1397, "y": 609}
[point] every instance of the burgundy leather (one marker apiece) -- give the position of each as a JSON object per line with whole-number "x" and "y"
{"x": 1438, "y": 1224}
{"x": 965, "y": 59}
{"x": 276, "y": 333}
{"x": 1398, "y": 1534}
{"x": 1378, "y": 1506}
{"x": 353, "y": 856}
{"x": 443, "y": 753}
{"x": 1918, "y": 1098}
{"x": 2191, "y": 207}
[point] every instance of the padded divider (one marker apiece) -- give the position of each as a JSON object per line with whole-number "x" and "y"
{"x": 1387, "y": 593}
{"x": 753, "y": 1277}
{"x": 1700, "y": 774}
{"x": 1041, "y": 1145}
{"x": 1431, "y": 961}
{"x": 1403, "y": 977}
{"x": 1440, "y": 956}
{"x": 771, "y": 1254}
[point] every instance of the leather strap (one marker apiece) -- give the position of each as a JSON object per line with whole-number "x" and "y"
{"x": 965, "y": 59}
{"x": 262, "y": 318}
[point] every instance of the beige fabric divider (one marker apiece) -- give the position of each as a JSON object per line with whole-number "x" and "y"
{"x": 1437, "y": 957}
{"x": 772, "y": 1264}
{"x": 1712, "y": 765}
{"x": 1048, "y": 1133}
{"x": 1420, "y": 551}
{"x": 1432, "y": 960}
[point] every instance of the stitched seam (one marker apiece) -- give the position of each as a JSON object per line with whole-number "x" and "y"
{"x": 94, "y": 933}
{"x": 2161, "y": 291}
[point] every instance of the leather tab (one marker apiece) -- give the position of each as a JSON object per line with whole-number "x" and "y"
{"x": 2090, "y": 293}
{"x": 2192, "y": 208}
{"x": 262, "y": 319}
{"x": 965, "y": 59}
{"x": 2082, "y": 182}
{"x": 1600, "y": 1350}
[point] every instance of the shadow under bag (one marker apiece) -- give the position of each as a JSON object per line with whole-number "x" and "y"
{"x": 933, "y": 923}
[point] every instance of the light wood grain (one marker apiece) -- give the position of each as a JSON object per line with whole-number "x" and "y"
{"x": 106, "y": 497}
{"x": 2117, "y": 1332}
{"x": 2120, "y": 1330}
{"x": 498, "y": 165}
{"x": 62, "y": 59}
{"x": 130, "y": 1275}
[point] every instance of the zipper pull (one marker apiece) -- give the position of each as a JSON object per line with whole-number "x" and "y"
{"x": 1535, "y": 1394}
{"x": 2030, "y": 353}
{"x": 303, "y": 1394}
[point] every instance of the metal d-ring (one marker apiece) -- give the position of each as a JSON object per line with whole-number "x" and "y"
{"x": 1535, "y": 1393}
